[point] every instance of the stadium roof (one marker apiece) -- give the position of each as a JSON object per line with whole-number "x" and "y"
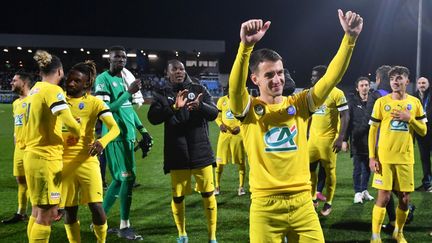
{"x": 99, "y": 42}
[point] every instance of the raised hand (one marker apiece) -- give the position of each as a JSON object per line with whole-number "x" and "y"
{"x": 194, "y": 105}
{"x": 181, "y": 99}
{"x": 253, "y": 30}
{"x": 135, "y": 86}
{"x": 352, "y": 23}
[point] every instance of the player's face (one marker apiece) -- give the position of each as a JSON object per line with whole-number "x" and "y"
{"x": 117, "y": 59}
{"x": 76, "y": 83}
{"x": 422, "y": 84}
{"x": 176, "y": 72}
{"x": 270, "y": 78}
{"x": 17, "y": 84}
{"x": 315, "y": 77}
{"x": 399, "y": 82}
{"x": 363, "y": 87}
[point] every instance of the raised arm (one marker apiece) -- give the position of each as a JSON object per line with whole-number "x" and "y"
{"x": 352, "y": 25}
{"x": 250, "y": 33}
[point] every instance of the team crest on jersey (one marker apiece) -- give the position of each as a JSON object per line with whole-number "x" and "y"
{"x": 24, "y": 105}
{"x": 81, "y": 105}
{"x": 60, "y": 96}
{"x": 321, "y": 110}
{"x": 409, "y": 107}
{"x": 19, "y": 120}
{"x": 259, "y": 109}
{"x": 229, "y": 115}
{"x": 191, "y": 96}
{"x": 398, "y": 126}
{"x": 291, "y": 110}
{"x": 281, "y": 139}
{"x": 387, "y": 108}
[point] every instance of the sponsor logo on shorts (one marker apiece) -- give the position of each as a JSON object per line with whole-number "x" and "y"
{"x": 126, "y": 174}
{"x": 55, "y": 195}
{"x": 379, "y": 182}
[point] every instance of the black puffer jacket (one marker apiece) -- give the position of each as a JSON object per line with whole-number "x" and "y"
{"x": 358, "y": 128}
{"x": 186, "y": 139}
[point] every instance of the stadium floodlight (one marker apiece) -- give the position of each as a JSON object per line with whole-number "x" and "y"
{"x": 142, "y": 51}
{"x": 5, "y": 50}
{"x": 131, "y": 55}
{"x": 152, "y": 56}
{"x": 29, "y": 51}
{"x": 105, "y": 56}
{"x": 7, "y": 61}
{"x": 106, "y": 50}
{"x": 19, "y": 48}
{"x": 64, "y": 52}
{"x": 88, "y": 52}
{"x": 176, "y": 53}
{"x": 82, "y": 49}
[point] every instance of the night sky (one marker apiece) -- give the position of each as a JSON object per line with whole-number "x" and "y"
{"x": 306, "y": 33}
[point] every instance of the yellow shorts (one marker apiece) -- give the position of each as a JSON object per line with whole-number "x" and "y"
{"x": 230, "y": 148}
{"x": 181, "y": 180}
{"x": 43, "y": 179}
{"x": 399, "y": 177}
{"x": 322, "y": 150}
{"x": 292, "y": 215}
{"x": 81, "y": 182}
{"x": 18, "y": 165}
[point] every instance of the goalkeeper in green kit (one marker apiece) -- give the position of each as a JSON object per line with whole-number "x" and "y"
{"x": 110, "y": 86}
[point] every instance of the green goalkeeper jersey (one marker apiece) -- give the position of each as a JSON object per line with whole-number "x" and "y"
{"x": 112, "y": 90}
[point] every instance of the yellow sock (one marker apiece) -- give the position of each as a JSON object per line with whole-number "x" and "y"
{"x": 22, "y": 198}
{"x": 242, "y": 171}
{"x": 401, "y": 217}
{"x": 73, "y": 232}
{"x": 40, "y": 233}
{"x": 178, "y": 210}
{"x": 30, "y": 223}
{"x": 218, "y": 174}
{"x": 101, "y": 232}
{"x": 378, "y": 215}
{"x": 210, "y": 208}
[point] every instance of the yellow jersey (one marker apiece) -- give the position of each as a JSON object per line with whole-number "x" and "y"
{"x": 43, "y": 129}
{"x": 325, "y": 120}
{"x": 395, "y": 139}
{"x": 274, "y": 136}
{"x": 19, "y": 108}
{"x": 225, "y": 115}
{"x": 86, "y": 109}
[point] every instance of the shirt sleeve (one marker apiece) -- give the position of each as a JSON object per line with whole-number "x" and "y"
{"x": 55, "y": 99}
{"x": 341, "y": 101}
{"x": 376, "y": 115}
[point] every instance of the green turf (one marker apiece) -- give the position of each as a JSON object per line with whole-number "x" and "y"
{"x": 151, "y": 211}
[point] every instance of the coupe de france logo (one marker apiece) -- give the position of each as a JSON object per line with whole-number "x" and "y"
{"x": 229, "y": 115}
{"x": 398, "y": 126}
{"x": 280, "y": 139}
{"x": 321, "y": 110}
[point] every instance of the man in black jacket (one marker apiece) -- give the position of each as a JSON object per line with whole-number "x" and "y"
{"x": 185, "y": 109}
{"x": 425, "y": 143}
{"x": 357, "y": 133}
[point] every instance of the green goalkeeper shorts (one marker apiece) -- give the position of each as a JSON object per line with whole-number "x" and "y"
{"x": 120, "y": 158}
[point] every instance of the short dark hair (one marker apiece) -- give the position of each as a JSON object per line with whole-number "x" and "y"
{"x": 27, "y": 77}
{"x": 383, "y": 73}
{"x": 320, "y": 69}
{"x": 262, "y": 55}
{"x": 117, "y": 48}
{"x": 360, "y": 79}
{"x": 399, "y": 70}
{"x": 173, "y": 61}
{"x": 47, "y": 62}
